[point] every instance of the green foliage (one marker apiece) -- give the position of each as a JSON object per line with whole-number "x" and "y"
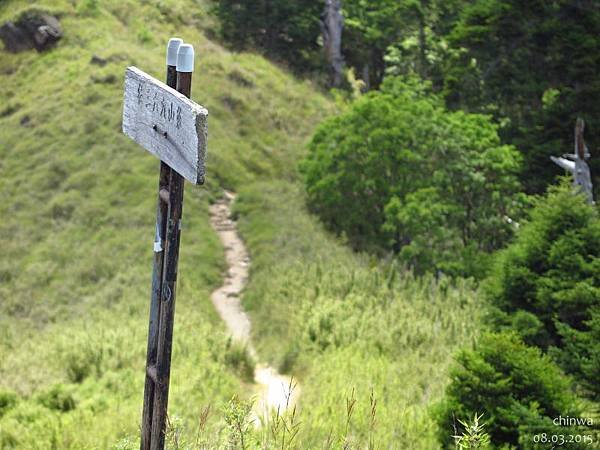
{"x": 546, "y": 285}
{"x": 8, "y": 400}
{"x": 88, "y": 7}
{"x": 286, "y": 29}
{"x": 82, "y": 359}
{"x": 144, "y": 35}
{"x": 369, "y": 29}
{"x": 239, "y": 422}
{"x": 473, "y": 435}
{"x": 397, "y": 171}
{"x": 404, "y": 37}
{"x": 533, "y": 64}
{"x": 238, "y": 357}
{"x": 580, "y": 352}
{"x": 392, "y": 37}
{"x": 518, "y": 389}
{"x": 59, "y": 397}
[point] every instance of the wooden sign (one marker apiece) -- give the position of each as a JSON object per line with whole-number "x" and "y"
{"x": 166, "y": 123}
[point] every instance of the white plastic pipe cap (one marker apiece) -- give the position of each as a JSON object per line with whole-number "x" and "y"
{"x": 185, "y": 58}
{"x": 172, "y": 49}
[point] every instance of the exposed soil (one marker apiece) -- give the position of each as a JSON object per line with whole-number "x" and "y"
{"x": 273, "y": 390}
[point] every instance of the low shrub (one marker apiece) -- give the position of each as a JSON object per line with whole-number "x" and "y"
{"x": 8, "y": 400}
{"x": 82, "y": 360}
{"x": 59, "y": 397}
{"x": 238, "y": 358}
{"x": 517, "y": 388}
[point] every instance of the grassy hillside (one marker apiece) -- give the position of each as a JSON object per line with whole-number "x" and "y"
{"x": 78, "y": 212}
{"x": 76, "y": 238}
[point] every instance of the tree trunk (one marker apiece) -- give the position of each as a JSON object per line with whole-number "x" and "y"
{"x": 332, "y": 25}
{"x": 366, "y": 76}
{"x": 422, "y": 42}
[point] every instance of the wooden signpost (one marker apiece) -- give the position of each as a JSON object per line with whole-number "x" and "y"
{"x": 162, "y": 119}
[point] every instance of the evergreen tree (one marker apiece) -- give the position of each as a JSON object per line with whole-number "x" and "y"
{"x": 518, "y": 390}
{"x": 534, "y": 66}
{"x": 285, "y": 29}
{"x": 546, "y": 284}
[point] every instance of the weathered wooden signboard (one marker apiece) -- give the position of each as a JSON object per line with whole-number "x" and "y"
{"x": 166, "y": 123}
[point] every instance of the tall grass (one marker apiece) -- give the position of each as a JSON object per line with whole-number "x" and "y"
{"x": 349, "y": 323}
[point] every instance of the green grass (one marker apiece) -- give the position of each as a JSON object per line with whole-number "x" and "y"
{"x": 76, "y": 237}
{"x": 341, "y": 322}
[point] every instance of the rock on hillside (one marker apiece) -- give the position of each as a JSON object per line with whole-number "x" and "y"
{"x": 32, "y": 30}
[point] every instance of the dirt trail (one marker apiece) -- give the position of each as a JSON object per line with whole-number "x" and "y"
{"x": 272, "y": 388}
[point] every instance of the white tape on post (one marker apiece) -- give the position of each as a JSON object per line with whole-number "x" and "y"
{"x": 185, "y": 58}
{"x": 172, "y": 49}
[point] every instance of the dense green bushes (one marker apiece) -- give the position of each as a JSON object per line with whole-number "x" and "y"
{"x": 519, "y": 390}
{"x": 58, "y": 397}
{"x": 543, "y": 292}
{"x": 397, "y": 171}
{"x": 286, "y": 29}
{"x": 546, "y": 285}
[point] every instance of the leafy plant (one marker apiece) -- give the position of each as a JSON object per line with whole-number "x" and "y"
{"x": 238, "y": 357}
{"x": 545, "y": 284}
{"x": 519, "y": 389}
{"x": 239, "y": 422}
{"x": 284, "y": 423}
{"x": 396, "y": 171}
{"x": 59, "y": 397}
{"x": 473, "y": 435}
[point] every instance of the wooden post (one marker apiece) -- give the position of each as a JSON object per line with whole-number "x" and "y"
{"x": 185, "y": 64}
{"x": 157, "y": 270}
{"x": 165, "y": 122}
{"x": 576, "y": 163}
